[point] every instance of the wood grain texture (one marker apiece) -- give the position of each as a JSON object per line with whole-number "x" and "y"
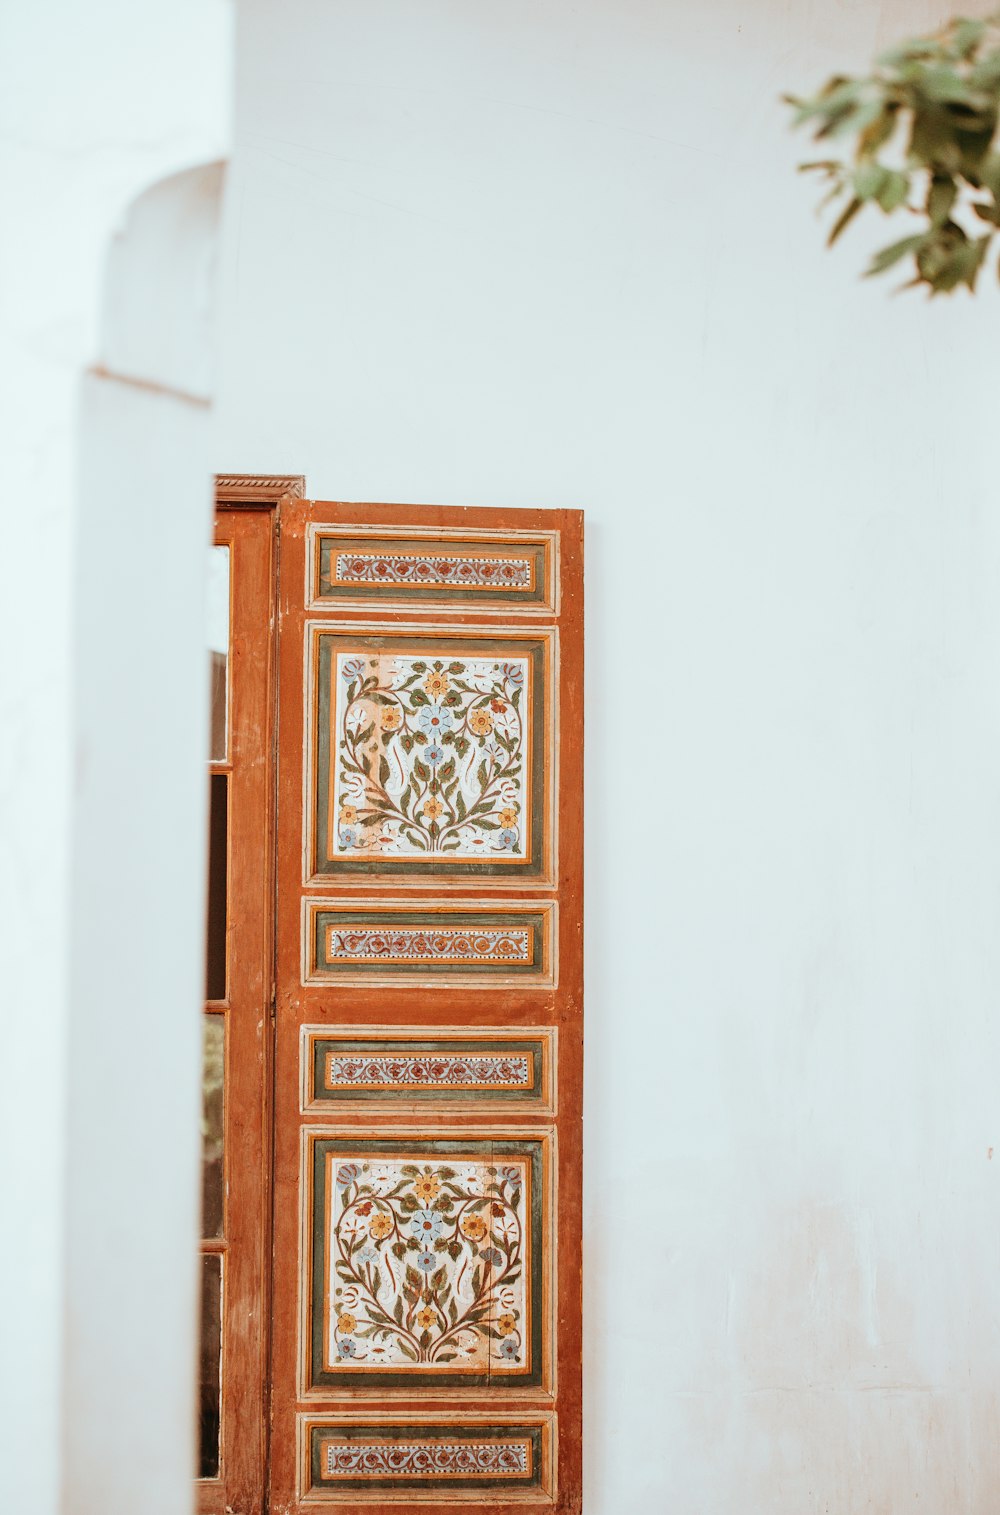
{"x": 247, "y": 1008}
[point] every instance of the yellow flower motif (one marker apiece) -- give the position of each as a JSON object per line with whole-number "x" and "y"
{"x": 473, "y": 1226}
{"x": 508, "y": 816}
{"x": 348, "y": 815}
{"x": 436, "y": 685}
{"x": 506, "y": 1324}
{"x": 380, "y": 1225}
{"x": 389, "y": 717}
{"x": 480, "y": 721}
{"x": 346, "y": 1323}
{"x": 432, "y": 809}
{"x": 425, "y": 1319}
{"x": 426, "y": 1186}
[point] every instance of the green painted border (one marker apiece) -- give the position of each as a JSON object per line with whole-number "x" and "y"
{"x": 500, "y": 648}
{"x": 428, "y": 547}
{"x": 494, "y": 1151}
{"x": 472, "y": 919}
{"x": 365, "y": 1430}
{"x": 407, "y": 1048}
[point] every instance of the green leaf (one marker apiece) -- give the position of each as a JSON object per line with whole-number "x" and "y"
{"x": 892, "y": 254}
{"x": 407, "y": 1350}
{"x": 419, "y": 667}
{"x": 968, "y": 35}
{"x": 940, "y": 198}
{"x": 868, "y": 180}
{"x": 945, "y": 86}
{"x": 398, "y": 1310}
{"x": 844, "y": 220}
{"x": 418, "y": 698}
{"x": 894, "y": 190}
{"x": 383, "y": 771}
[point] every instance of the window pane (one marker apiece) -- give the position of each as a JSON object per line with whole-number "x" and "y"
{"x": 218, "y": 887}
{"x": 212, "y": 1110}
{"x": 211, "y": 1367}
{"x": 218, "y": 646}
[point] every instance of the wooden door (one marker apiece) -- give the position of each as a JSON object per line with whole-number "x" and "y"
{"x": 426, "y": 1305}
{"x": 236, "y": 1121}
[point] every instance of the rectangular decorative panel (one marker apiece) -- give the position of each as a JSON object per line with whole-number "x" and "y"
{"x": 451, "y": 1457}
{"x": 427, "y": 1262}
{"x": 431, "y": 754}
{"x": 394, "y": 1070}
{"x": 354, "y": 568}
{"x": 369, "y": 941}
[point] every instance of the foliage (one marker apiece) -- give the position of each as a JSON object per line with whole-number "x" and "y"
{"x": 924, "y": 131}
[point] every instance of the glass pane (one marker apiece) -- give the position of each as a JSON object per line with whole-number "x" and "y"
{"x": 218, "y": 887}
{"x": 211, "y": 1367}
{"x": 218, "y": 646}
{"x": 212, "y": 1107}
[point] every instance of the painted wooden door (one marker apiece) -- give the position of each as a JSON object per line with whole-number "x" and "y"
{"x": 427, "y": 1137}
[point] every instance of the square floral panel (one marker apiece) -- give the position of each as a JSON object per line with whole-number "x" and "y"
{"x": 431, "y": 755}
{"x": 426, "y": 1262}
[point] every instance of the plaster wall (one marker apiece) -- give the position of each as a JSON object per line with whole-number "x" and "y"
{"x": 554, "y": 253}
{"x": 99, "y": 101}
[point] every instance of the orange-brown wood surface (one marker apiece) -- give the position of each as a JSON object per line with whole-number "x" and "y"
{"x": 247, "y": 1010}
{"x": 555, "y": 1402}
{"x": 278, "y": 1113}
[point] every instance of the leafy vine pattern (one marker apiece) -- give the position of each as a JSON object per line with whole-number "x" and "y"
{"x": 429, "y": 1265}
{"x": 431, "y": 757}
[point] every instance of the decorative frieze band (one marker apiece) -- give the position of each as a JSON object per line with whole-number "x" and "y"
{"x": 436, "y": 1071}
{"x": 427, "y": 1459}
{"x": 368, "y": 941}
{"x": 476, "y": 1455}
{"x": 514, "y": 574}
{"x": 431, "y": 568}
{"x": 447, "y": 944}
{"x": 392, "y": 1069}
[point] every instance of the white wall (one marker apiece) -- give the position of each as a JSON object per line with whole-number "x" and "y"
{"x": 98, "y": 101}
{"x": 553, "y": 252}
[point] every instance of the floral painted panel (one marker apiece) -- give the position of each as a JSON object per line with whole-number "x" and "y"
{"x": 431, "y": 755}
{"x": 430, "y": 1264}
{"x": 385, "y": 1455}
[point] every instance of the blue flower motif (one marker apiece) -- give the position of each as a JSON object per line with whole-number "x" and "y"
{"x": 433, "y": 753}
{"x": 426, "y": 1225}
{"x": 346, "y": 1347}
{"x": 353, "y": 669}
{"x": 367, "y": 1255}
{"x": 508, "y": 1347}
{"x": 426, "y": 1261}
{"x": 349, "y": 836}
{"x": 506, "y": 839}
{"x": 435, "y": 719}
{"x": 493, "y": 1256}
{"x": 346, "y": 1174}
{"x": 513, "y": 673}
